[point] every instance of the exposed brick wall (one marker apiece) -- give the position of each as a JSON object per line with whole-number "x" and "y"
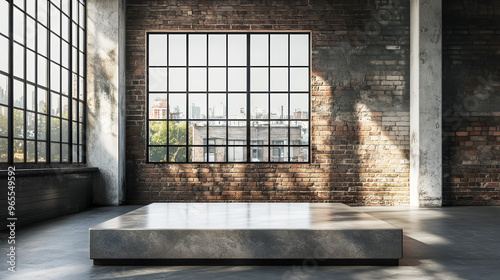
{"x": 360, "y": 104}
{"x": 471, "y": 102}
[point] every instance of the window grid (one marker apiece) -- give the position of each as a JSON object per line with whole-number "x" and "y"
{"x": 44, "y": 130}
{"x": 163, "y": 152}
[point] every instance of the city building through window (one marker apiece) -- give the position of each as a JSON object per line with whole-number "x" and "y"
{"x": 228, "y": 97}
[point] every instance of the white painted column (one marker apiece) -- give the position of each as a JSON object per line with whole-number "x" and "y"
{"x": 106, "y": 98}
{"x": 425, "y": 103}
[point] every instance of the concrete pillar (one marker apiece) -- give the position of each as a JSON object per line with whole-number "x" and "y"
{"x": 425, "y": 103}
{"x": 106, "y": 98}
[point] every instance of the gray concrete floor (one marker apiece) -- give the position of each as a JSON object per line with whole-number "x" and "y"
{"x": 440, "y": 243}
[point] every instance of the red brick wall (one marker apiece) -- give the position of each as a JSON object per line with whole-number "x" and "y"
{"x": 360, "y": 104}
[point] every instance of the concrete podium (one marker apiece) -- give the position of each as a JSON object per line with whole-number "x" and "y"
{"x": 207, "y": 232}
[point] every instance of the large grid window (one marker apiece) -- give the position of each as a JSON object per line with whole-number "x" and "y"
{"x": 228, "y": 97}
{"x": 42, "y": 81}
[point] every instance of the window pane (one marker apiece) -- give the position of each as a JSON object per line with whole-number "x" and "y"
{"x": 18, "y": 123}
{"x": 55, "y": 48}
{"x": 18, "y": 26}
{"x": 65, "y": 25}
{"x": 65, "y": 54}
{"x": 81, "y": 14}
{"x": 81, "y": 130}
{"x": 197, "y": 50}
{"x": 197, "y": 154}
{"x": 30, "y": 66}
{"x": 42, "y": 71}
{"x": 259, "y": 54}
{"x": 30, "y": 125}
{"x": 177, "y": 106}
{"x": 158, "y": 106}
{"x": 18, "y": 94}
{"x": 81, "y": 64}
{"x": 279, "y": 50}
{"x": 237, "y": 106}
{"x": 299, "y": 154}
{"x": 4, "y": 59}
{"x": 299, "y": 133}
{"x": 299, "y": 79}
{"x": 177, "y": 133}
{"x": 217, "y": 79}
{"x": 42, "y": 151}
{"x": 236, "y": 154}
{"x": 158, "y": 154}
{"x": 65, "y": 153}
{"x": 42, "y": 127}
{"x": 55, "y": 20}
{"x": 75, "y": 153}
{"x": 55, "y": 152}
{"x": 30, "y": 32}
{"x": 74, "y": 110}
{"x": 4, "y": 121}
{"x": 279, "y": 133}
{"x": 157, "y": 50}
{"x": 74, "y": 134}
{"x": 81, "y": 40}
{"x": 217, "y": 50}
{"x": 299, "y": 106}
{"x": 55, "y": 109}
{"x": 217, "y": 106}
{"x": 18, "y": 151}
{"x": 259, "y": 106}
{"x": 158, "y": 133}
{"x": 237, "y": 79}
{"x": 74, "y": 36}
{"x": 259, "y": 154}
{"x": 64, "y": 107}
{"x": 4, "y": 18}
{"x": 65, "y": 131}
{"x": 177, "y": 80}
{"x": 74, "y": 85}
{"x": 259, "y": 79}
{"x": 55, "y": 77}
{"x": 279, "y": 154}
{"x": 197, "y": 132}
{"x": 30, "y": 98}
{"x": 65, "y": 78}
{"x": 217, "y": 132}
{"x": 279, "y": 79}
{"x": 81, "y": 153}
{"x": 237, "y": 133}
{"x": 158, "y": 79}
{"x": 177, "y": 154}
{"x": 55, "y": 129}
{"x": 237, "y": 50}
{"x": 259, "y": 132}
{"x": 30, "y": 151}
{"x": 177, "y": 50}
{"x": 18, "y": 60}
{"x": 4, "y": 90}
{"x": 197, "y": 79}
{"x": 65, "y": 6}
{"x": 82, "y": 88}
{"x": 299, "y": 50}
{"x": 279, "y": 106}
{"x": 4, "y": 149}
{"x": 19, "y": 3}
{"x": 197, "y": 106}
{"x": 217, "y": 154}
{"x": 42, "y": 101}
{"x": 74, "y": 10}
{"x": 80, "y": 111}
{"x": 42, "y": 40}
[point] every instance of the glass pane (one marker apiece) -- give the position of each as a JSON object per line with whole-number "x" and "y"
{"x": 177, "y": 154}
{"x": 65, "y": 6}
{"x": 18, "y": 151}
{"x": 82, "y": 88}
{"x": 217, "y": 106}
{"x": 42, "y": 40}
{"x": 158, "y": 79}
{"x": 299, "y": 154}
{"x": 197, "y": 132}
{"x": 4, "y": 149}
{"x": 279, "y": 154}
{"x": 237, "y": 50}
{"x": 65, "y": 107}
{"x": 217, "y": 132}
{"x": 65, "y": 78}
{"x": 259, "y": 79}
{"x": 4, "y": 121}
{"x": 157, "y": 50}
{"x": 299, "y": 133}
{"x": 217, "y": 154}
{"x": 18, "y": 26}
{"x": 279, "y": 79}
{"x": 81, "y": 152}
{"x": 299, "y": 50}
{"x": 18, "y": 94}
{"x": 75, "y": 110}
{"x": 259, "y": 133}
{"x": 65, "y": 131}
{"x": 237, "y": 106}
{"x": 299, "y": 79}
{"x": 259, "y": 106}
{"x": 74, "y": 134}
{"x": 197, "y": 79}
{"x": 81, "y": 40}
{"x": 177, "y": 50}
{"x": 55, "y": 20}
{"x": 42, "y": 127}
{"x": 279, "y": 133}
{"x": 75, "y": 153}
{"x": 279, "y": 106}
{"x": 74, "y": 36}
{"x": 55, "y": 48}
{"x": 236, "y": 154}
{"x": 4, "y": 18}
{"x": 259, "y": 154}
{"x": 4, "y": 90}
{"x": 217, "y": 49}
{"x": 237, "y": 133}
{"x": 30, "y": 66}
{"x": 65, "y": 54}
{"x": 217, "y": 79}
{"x": 55, "y": 77}
{"x": 158, "y": 154}
{"x": 55, "y": 152}
{"x": 30, "y": 150}
{"x": 65, "y": 25}
{"x": 74, "y": 85}
{"x": 42, "y": 151}
{"x": 55, "y": 109}
{"x": 55, "y": 129}
{"x": 299, "y": 106}
{"x": 177, "y": 106}
{"x": 30, "y": 32}
{"x": 30, "y": 125}
{"x": 42, "y": 11}
{"x": 197, "y": 106}
{"x": 158, "y": 106}
{"x": 259, "y": 52}
{"x": 197, "y": 50}
{"x": 81, "y": 14}
{"x": 4, "y": 59}
{"x": 42, "y": 101}
{"x": 18, "y": 60}
{"x": 65, "y": 154}
{"x": 18, "y": 123}
{"x": 81, "y": 130}
{"x": 42, "y": 71}
{"x": 30, "y": 98}
{"x": 279, "y": 49}
{"x": 80, "y": 111}
{"x": 197, "y": 154}
{"x": 237, "y": 79}
{"x": 158, "y": 133}
{"x": 57, "y": 3}
{"x": 19, "y": 3}
{"x": 177, "y": 80}
{"x": 81, "y": 64}
{"x": 74, "y": 10}
{"x": 177, "y": 133}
